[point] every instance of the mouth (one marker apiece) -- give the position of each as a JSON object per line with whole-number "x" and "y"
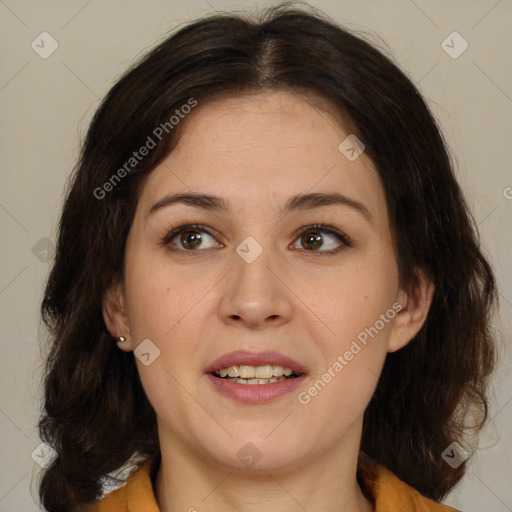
{"x": 254, "y": 378}
{"x": 251, "y": 375}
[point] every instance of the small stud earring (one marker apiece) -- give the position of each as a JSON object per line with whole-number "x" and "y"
{"x": 121, "y": 339}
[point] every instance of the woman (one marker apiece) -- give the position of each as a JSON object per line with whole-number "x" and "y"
{"x": 268, "y": 290}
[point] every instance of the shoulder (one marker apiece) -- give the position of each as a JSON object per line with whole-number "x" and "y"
{"x": 391, "y": 494}
{"x": 137, "y": 494}
{"x": 114, "y": 501}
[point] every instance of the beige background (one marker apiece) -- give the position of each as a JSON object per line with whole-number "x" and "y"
{"x": 45, "y": 106}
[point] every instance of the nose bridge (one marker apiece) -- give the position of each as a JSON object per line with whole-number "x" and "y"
{"x": 252, "y": 275}
{"x": 255, "y": 294}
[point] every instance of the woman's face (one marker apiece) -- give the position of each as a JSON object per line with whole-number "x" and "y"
{"x": 254, "y": 282}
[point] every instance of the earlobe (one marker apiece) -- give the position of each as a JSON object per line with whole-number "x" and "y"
{"x": 115, "y": 317}
{"x": 124, "y": 344}
{"x": 415, "y": 307}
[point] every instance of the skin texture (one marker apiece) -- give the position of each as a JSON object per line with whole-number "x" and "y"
{"x": 256, "y": 152}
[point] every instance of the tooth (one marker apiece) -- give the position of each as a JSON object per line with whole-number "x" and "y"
{"x": 247, "y": 372}
{"x": 233, "y": 371}
{"x": 242, "y": 373}
{"x": 240, "y": 380}
{"x": 278, "y": 371}
{"x": 264, "y": 372}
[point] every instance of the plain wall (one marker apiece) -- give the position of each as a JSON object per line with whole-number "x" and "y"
{"x": 46, "y": 104}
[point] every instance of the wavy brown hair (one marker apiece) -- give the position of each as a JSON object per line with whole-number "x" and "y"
{"x": 96, "y": 415}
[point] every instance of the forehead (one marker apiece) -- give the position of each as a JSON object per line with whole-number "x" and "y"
{"x": 254, "y": 147}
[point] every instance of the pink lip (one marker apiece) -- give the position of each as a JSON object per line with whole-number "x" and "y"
{"x": 254, "y": 359}
{"x": 254, "y": 393}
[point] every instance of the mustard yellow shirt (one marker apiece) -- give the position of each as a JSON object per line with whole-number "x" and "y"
{"x": 388, "y": 491}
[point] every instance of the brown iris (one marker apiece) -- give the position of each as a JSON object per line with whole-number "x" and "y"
{"x": 311, "y": 239}
{"x": 190, "y": 239}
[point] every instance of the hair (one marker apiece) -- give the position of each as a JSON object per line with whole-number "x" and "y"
{"x": 96, "y": 414}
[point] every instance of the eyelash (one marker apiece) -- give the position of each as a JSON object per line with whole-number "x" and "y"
{"x": 344, "y": 239}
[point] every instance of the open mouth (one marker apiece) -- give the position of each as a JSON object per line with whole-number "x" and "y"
{"x": 264, "y": 374}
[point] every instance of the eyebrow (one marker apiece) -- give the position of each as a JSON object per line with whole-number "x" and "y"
{"x": 308, "y": 201}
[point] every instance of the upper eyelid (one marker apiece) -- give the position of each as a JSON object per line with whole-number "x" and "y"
{"x": 326, "y": 228}
{"x": 189, "y": 227}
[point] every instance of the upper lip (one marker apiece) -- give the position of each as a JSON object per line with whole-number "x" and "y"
{"x": 244, "y": 357}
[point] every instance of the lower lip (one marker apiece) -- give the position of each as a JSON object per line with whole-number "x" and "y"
{"x": 255, "y": 393}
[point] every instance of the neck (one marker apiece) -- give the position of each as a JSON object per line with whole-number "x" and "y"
{"x": 188, "y": 482}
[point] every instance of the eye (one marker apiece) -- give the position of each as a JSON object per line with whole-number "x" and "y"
{"x": 190, "y": 238}
{"x": 329, "y": 239}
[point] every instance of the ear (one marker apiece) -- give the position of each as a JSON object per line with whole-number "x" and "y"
{"x": 415, "y": 306}
{"x": 115, "y": 317}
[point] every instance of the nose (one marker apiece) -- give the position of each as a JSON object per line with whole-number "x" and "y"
{"x": 255, "y": 295}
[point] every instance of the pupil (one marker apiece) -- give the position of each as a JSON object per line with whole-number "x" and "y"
{"x": 190, "y": 239}
{"x": 315, "y": 240}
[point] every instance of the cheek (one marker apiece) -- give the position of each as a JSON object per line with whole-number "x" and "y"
{"x": 337, "y": 398}
{"x": 356, "y": 309}
{"x": 341, "y": 387}
{"x": 352, "y": 297}
{"x": 161, "y": 306}
{"x": 159, "y": 298}
{"x": 168, "y": 308}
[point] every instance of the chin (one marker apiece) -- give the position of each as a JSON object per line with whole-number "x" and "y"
{"x": 259, "y": 454}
